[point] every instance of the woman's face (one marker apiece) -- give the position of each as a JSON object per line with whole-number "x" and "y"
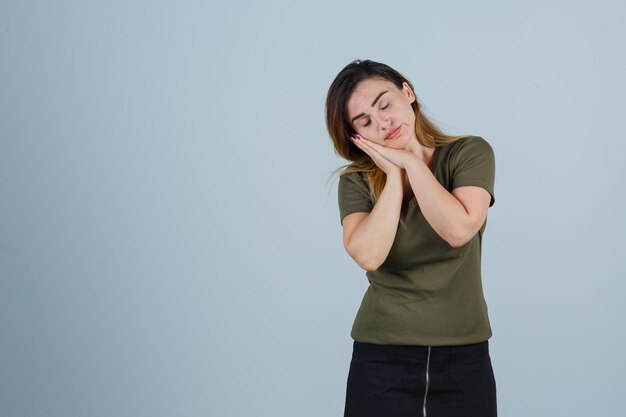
{"x": 380, "y": 112}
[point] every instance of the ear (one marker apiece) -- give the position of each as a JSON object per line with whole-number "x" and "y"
{"x": 406, "y": 90}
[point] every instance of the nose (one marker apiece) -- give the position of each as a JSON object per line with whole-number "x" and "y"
{"x": 385, "y": 123}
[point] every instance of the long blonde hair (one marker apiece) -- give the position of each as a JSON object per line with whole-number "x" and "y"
{"x": 339, "y": 129}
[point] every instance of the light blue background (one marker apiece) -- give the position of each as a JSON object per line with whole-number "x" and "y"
{"x": 169, "y": 245}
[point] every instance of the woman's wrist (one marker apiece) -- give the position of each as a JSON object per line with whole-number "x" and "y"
{"x": 395, "y": 176}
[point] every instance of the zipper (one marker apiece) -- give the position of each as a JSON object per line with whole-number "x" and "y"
{"x": 426, "y": 391}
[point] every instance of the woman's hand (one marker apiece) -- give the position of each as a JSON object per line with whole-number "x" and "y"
{"x": 397, "y": 157}
{"x": 386, "y": 165}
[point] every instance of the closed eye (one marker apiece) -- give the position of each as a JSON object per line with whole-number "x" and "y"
{"x": 382, "y": 108}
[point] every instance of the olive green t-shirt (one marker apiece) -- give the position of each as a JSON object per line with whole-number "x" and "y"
{"x": 426, "y": 292}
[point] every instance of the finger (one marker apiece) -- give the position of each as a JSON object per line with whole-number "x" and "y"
{"x": 356, "y": 139}
{"x": 365, "y": 147}
{"x": 361, "y": 140}
{"x": 371, "y": 152}
{"x": 368, "y": 146}
{"x": 381, "y": 150}
{"x": 361, "y": 146}
{"x": 373, "y": 144}
{"x": 368, "y": 142}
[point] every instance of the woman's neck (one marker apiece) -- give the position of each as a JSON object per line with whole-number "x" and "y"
{"x": 423, "y": 152}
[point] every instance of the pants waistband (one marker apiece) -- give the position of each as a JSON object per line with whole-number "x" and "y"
{"x": 420, "y": 353}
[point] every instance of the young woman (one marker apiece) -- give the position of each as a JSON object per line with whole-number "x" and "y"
{"x": 413, "y": 205}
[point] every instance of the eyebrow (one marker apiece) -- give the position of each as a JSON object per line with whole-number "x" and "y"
{"x": 373, "y": 104}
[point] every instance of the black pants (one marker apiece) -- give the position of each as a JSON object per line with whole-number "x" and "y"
{"x": 414, "y": 381}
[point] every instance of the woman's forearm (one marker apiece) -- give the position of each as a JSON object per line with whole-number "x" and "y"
{"x": 445, "y": 214}
{"x": 372, "y": 239}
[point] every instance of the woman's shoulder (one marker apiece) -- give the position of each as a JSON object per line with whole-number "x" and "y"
{"x": 473, "y": 139}
{"x": 469, "y": 143}
{"x": 353, "y": 172}
{"x": 351, "y": 181}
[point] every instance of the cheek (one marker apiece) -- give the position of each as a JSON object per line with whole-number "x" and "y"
{"x": 409, "y": 116}
{"x": 363, "y": 130}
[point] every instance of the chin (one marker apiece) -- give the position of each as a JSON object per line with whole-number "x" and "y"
{"x": 401, "y": 144}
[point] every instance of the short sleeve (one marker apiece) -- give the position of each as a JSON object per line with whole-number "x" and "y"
{"x": 353, "y": 194}
{"x": 475, "y": 165}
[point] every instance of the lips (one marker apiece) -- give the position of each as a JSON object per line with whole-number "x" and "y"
{"x": 393, "y": 133}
